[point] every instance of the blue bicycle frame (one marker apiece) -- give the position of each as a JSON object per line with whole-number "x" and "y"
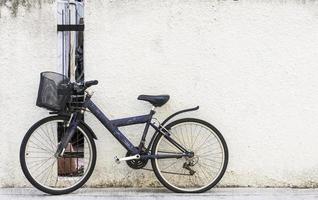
{"x": 112, "y": 127}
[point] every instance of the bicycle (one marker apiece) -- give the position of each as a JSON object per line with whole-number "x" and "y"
{"x": 58, "y": 153}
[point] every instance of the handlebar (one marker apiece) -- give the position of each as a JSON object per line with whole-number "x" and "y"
{"x": 82, "y": 87}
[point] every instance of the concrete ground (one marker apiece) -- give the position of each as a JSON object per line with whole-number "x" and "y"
{"x": 147, "y": 194}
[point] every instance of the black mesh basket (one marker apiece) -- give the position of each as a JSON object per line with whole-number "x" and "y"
{"x": 54, "y": 91}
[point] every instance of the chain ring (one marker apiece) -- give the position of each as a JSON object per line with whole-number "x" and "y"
{"x": 136, "y": 163}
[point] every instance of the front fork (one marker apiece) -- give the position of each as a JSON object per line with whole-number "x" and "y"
{"x": 66, "y": 138}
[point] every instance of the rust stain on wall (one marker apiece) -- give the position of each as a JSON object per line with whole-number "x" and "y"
{"x": 14, "y": 5}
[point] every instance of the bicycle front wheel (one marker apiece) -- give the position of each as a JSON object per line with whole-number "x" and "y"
{"x": 57, "y": 175}
{"x": 191, "y": 174}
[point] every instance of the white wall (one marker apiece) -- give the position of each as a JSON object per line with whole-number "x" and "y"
{"x": 28, "y": 46}
{"x": 250, "y": 65}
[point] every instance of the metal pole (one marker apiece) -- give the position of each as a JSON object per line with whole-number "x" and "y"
{"x": 70, "y": 43}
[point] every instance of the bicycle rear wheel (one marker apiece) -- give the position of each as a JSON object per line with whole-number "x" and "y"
{"x": 57, "y": 175}
{"x": 198, "y": 173}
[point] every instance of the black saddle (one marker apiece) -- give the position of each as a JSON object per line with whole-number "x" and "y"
{"x": 155, "y": 100}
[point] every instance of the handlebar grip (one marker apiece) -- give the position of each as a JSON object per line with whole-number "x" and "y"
{"x": 90, "y": 83}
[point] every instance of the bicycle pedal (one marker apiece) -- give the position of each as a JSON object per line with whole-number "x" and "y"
{"x": 117, "y": 160}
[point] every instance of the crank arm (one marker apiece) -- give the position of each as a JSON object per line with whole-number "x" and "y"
{"x": 134, "y": 157}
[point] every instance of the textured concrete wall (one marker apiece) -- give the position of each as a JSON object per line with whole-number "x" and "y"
{"x": 250, "y": 65}
{"x": 28, "y": 46}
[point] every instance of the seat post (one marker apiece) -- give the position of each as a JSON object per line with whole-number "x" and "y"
{"x": 152, "y": 111}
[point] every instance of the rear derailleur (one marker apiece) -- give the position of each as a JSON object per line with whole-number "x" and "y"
{"x": 190, "y": 163}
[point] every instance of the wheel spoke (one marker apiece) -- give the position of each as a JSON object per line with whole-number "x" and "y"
{"x": 45, "y": 149}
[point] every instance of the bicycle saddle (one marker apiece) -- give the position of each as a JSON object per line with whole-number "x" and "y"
{"x": 155, "y": 100}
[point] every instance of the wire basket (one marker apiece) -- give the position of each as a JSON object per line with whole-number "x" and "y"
{"x": 54, "y": 91}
